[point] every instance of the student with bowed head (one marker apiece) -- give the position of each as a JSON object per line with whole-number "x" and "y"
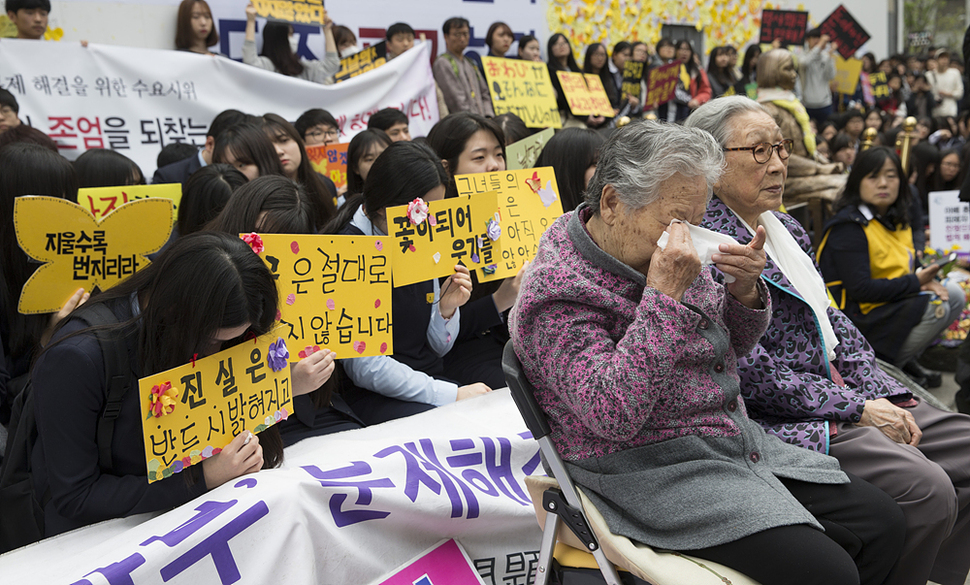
{"x": 247, "y": 148}
{"x": 29, "y": 16}
{"x": 277, "y": 205}
{"x": 296, "y": 167}
{"x": 317, "y": 127}
{"x": 513, "y": 127}
{"x": 361, "y": 154}
{"x": 175, "y": 152}
{"x": 26, "y": 169}
{"x": 106, "y": 168}
{"x": 208, "y": 292}
{"x": 412, "y": 380}
{"x": 280, "y": 46}
{"x": 393, "y": 122}
{"x": 179, "y": 172}
{"x": 399, "y": 38}
{"x": 195, "y": 31}
{"x": 205, "y": 194}
{"x": 573, "y": 153}
{"x": 467, "y": 144}
{"x": 529, "y": 48}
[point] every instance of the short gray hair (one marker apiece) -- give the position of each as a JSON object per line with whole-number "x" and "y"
{"x": 642, "y": 155}
{"x": 715, "y": 116}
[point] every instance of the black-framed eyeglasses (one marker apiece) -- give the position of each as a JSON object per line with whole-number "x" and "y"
{"x": 762, "y": 151}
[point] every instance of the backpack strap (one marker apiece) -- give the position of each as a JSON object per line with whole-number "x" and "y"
{"x": 117, "y": 378}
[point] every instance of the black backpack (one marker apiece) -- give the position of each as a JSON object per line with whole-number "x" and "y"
{"x": 21, "y": 511}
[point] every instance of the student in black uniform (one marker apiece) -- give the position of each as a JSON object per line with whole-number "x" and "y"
{"x": 205, "y": 293}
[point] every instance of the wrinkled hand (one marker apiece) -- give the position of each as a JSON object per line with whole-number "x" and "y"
{"x": 745, "y": 264}
{"x": 312, "y": 371}
{"x": 673, "y": 269}
{"x": 455, "y": 292}
{"x": 237, "y": 458}
{"x": 896, "y": 423}
{"x": 506, "y": 294}
{"x": 77, "y": 299}
{"x": 472, "y": 390}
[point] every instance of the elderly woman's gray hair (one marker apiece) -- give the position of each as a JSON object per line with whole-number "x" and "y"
{"x": 642, "y": 155}
{"x": 715, "y": 116}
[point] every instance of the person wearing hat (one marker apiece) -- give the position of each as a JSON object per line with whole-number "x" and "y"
{"x": 947, "y": 85}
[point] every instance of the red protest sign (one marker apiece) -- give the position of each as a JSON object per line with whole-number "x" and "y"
{"x": 330, "y": 160}
{"x": 844, "y": 30}
{"x": 788, "y": 26}
{"x": 661, "y": 83}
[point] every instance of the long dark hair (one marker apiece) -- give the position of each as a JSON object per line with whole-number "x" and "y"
{"x": 325, "y": 209}
{"x": 283, "y": 204}
{"x": 249, "y": 145}
{"x": 403, "y": 172}
{"x": 276, "y": 47}
{"x": 360, "y": 145}
{"x": 606, "y": 78}
{"x": 750, "y": 62}
{"x": 570, "y": 152}
{"x": 691, "y": 65}
{"x": 449, "y": 137}
{"x": 870, "y": 163}
{"x": 938, "y": 184}
{"x": 570, "y": 59}
{"x": 106, "y": 168}
{"x": 723, "y": 75}
{"x": 204, "y": 282}
{"x": 922, "y": 156}
{"x": 25, "y": 169}
{"x": 205, "y": 194}
{"x": 183, "y": 28}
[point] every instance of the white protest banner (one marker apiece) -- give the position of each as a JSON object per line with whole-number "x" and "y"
{"x": 949, "y": 221}
{"x": 345, "y": 508}
{"x": 108, "y": 97}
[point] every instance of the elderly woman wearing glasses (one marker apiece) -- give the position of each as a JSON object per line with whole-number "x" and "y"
{"x": 813, "y": 380}
{"x": 632, "y": 348}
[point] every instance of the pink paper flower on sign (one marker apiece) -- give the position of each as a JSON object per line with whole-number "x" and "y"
{"x": 163, "y": 399}
{"x": 417, "y": 211}
{"x": 277, "y": 355}
{"x": 255, "y": 242}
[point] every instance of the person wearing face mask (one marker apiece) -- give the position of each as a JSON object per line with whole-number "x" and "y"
{"x": 346, "y": 41}
{"x": 280, "y": 46}
{"x": 462, "y": 84}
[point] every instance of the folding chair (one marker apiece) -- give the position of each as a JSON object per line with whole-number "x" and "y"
{"x": 562, "y": 503}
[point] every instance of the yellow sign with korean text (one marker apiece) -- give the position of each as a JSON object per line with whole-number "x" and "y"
{"x": 524, "y": 89}
{"x": 295, "y": 11}
{"x": 601, "y": 103}
{"x": 529, "y": 202}
{"x": 430, "y": 239}
{"x": 191, "y": 412}
{"x": 335, "y": 292}
{"x": 80, "y": 251}
{"x": 847, "y": 74}
{"x": 880, "y": 85}
{"x": 330, "y": 160}
{"x": 103, "y": 200}
{"x": 523, "y": 154}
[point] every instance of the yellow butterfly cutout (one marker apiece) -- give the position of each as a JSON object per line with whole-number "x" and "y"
{"x": 80, "y": 251}
{"x": 53, "y": 34}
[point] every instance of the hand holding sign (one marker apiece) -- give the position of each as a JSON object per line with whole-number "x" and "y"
{"x": 241, "y": 456}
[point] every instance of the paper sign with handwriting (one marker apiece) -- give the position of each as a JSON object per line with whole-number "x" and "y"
{"x": 879, "y": 85}
{"x": 577, "y": 93}
{"x": 847, "y": 74}
{"x": 529, "y": 202}
{"x": 335, "y": 292}
{"x": 295, "y": 11}
{"x": 601, "y": 102}
{"x": 524, "y": 153}
{"x": 845, "y": 30}
{"x": 191, "y": 412}
{"x": 524, "y": 89}
{"x": 103, "y": 200}
{"x": 788, "y": 26}
{"x": 430, "y": 239}
{"x": 80, "y": 251}
{"x": 632, "y": 76}
{"x": 661, "y": 83}
{"x": 330, "y": 160}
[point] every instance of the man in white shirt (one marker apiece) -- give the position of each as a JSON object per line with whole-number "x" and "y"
{"x": 947, "y": 84}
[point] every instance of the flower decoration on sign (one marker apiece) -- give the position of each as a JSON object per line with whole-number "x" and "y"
{"x": 277, "y": 355}
{"x": 255, "y": 242}
{"x": 493, "y": 229}
{"x": 163, "y": 398}
{"x": 417, "y": 211}
{"x": 308, "y": 351}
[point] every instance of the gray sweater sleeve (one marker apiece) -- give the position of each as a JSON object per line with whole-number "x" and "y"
{"x": 251, "y": 58}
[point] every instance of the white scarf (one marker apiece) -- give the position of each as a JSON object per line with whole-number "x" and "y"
{"x": 798, "y": 268}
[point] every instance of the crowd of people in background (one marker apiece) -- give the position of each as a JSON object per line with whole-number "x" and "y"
{"x": 253, "y": 174}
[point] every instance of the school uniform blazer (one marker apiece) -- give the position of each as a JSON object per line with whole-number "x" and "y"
{"x": 787, "y": 382}
{"x": 177, "y": 172}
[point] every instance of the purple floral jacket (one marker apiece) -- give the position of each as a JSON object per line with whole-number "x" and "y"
{"x": 787, "y": 382}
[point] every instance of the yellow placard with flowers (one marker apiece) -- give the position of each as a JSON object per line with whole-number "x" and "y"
{"x": 191, "y": 412}
{"x": 528, "y": 203}
{"x": 79, "y": 251}
{"x": 429, "y": 239}
{"x": 335, "y": 291}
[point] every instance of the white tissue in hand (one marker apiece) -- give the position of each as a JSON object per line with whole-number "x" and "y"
{"x": 705, "y": 243}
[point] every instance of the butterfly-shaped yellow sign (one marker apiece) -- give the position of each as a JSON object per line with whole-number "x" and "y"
{"x": 82, "y": 252}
